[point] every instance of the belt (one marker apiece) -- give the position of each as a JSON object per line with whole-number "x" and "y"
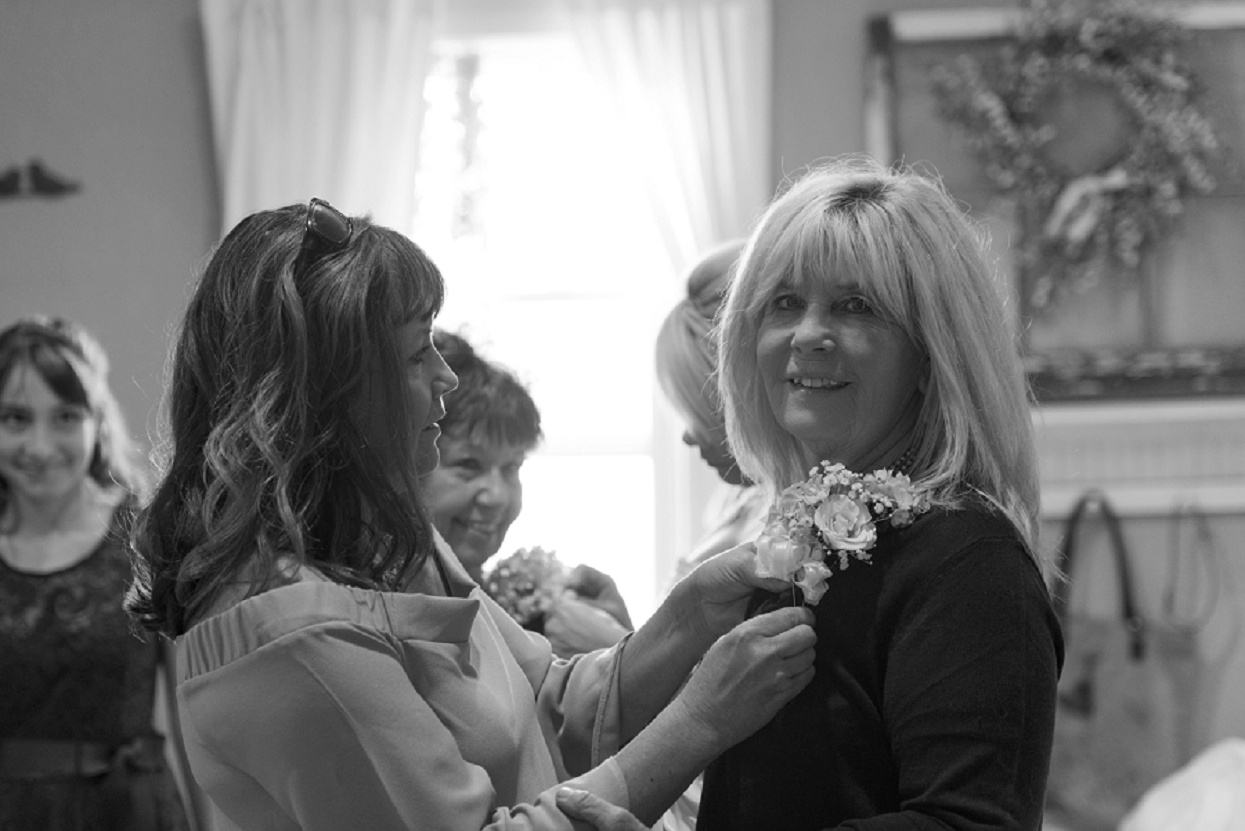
{"x": 46, "y": 758}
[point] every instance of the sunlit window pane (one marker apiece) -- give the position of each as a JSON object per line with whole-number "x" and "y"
{"x": 531, "y": 206}
{"x": 588, "y": 363}
{"x": 596, "y": 510}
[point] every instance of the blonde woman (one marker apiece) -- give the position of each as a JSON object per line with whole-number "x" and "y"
{"x": 864, "y": 328}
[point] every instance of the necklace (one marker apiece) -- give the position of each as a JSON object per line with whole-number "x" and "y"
{"x": 904, "y": 463}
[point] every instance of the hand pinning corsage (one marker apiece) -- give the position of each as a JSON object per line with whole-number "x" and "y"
{"x": 832, "y": 517}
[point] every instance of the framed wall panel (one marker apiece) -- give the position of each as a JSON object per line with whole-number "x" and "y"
{"x": 1175, "y": 328}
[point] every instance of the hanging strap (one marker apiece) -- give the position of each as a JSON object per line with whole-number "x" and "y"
{"x": 1202, "y": 553}
{"x": 1133, "y": 621}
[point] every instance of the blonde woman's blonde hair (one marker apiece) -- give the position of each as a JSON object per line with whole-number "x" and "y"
{"x": 906, "y": 241}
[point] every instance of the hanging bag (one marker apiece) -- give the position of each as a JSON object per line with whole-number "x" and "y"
{"x": 1124, "y": 716}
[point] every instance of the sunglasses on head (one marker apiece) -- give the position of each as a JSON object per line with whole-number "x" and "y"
{"x": 327, "y": 230}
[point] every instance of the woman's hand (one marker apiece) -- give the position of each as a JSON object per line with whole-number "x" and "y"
{"x": 597, "y": 588}
{"x": 750, "y": 673}
{"x": 574, "y": 626}
{"x": 720, "y": 587}
{"x": 592, "y": 809}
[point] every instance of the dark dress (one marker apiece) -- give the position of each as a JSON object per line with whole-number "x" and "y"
{"x": 73, "y": 675}
{"x": 933, "y": 702}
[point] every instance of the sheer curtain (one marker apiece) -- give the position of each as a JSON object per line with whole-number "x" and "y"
{"x": 318, "y": 98}
{"x": 691, "y": 83}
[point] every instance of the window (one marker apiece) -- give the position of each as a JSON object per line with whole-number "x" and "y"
{"x": 530, "y": 204}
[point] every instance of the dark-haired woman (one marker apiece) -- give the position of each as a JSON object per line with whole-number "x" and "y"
{"x": 304, "y": 403}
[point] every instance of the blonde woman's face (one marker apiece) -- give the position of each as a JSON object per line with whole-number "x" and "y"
{"x": 842, "y": 380}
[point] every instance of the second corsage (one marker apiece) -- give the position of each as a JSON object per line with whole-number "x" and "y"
{"x": 526, "y": 584}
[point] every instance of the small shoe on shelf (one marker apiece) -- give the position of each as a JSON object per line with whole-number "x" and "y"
{"x": 11, "y": 182}
{"x": 43, "y": 182}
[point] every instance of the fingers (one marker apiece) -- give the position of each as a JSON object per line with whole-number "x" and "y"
{"x": 779, "y": 621}
{"x": 574, "y": 626}
{"x": 602, "y": 815}
{"x": 752, "y": 671}
{"x": 589, "y": 581}
{"x": 792, "y": 640}
{"x": 599, "y": 589}
{"x": 741, "y": 563}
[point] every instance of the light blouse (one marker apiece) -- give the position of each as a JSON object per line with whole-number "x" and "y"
{"x": 320, "y": 706}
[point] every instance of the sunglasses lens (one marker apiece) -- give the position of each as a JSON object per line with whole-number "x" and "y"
{"x": 327, "y": 229}
{"x": 328, "y": 223}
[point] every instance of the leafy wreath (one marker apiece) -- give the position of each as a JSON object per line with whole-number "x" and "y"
{"x": 1076, "y": 225}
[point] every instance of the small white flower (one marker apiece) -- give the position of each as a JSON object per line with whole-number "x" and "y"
{"x": 812, "y": 580}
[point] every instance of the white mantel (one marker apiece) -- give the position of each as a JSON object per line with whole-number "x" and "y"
{"x": 1150, "y": 456}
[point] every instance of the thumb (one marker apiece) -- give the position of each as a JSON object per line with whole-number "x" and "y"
{"x": 744, "y": 567}
{"x": 600, "y": 814}
{"x": 779, "y": 620}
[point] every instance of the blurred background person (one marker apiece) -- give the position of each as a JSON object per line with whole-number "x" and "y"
{"x": 475, "y": 493}
{"x": 687, "y": 372}
{"x": 78, "y": 749}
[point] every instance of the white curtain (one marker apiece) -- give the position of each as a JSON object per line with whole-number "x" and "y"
{"x": 318, "y": 98}
{"x": 691, "y": 82}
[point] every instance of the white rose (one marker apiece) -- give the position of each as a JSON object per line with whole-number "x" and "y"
{"x": 846, "y": 523}
{"x": 779, "y": 555}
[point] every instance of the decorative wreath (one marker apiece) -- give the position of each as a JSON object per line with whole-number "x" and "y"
{"x": 1076, "y": 224}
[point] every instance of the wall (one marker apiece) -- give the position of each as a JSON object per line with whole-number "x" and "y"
{"x": 111, "y": 95}
{"x": 819, "y": 80}
{"x": 819, "y": 112}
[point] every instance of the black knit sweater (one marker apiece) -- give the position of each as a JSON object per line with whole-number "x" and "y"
{"x": 933, "y": 703}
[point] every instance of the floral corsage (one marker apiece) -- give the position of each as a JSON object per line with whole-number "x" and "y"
{"x": 526, "y": 584}
{"x": 834, "y": 511}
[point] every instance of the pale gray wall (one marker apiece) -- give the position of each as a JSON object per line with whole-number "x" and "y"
{"x": 819, "y": 81}
{"x": 113, "y": 95}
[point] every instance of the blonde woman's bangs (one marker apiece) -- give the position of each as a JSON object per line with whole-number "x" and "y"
{"x": 851, "y": 244}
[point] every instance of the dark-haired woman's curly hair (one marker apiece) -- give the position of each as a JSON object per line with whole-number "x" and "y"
{"x": 274, "y": 371}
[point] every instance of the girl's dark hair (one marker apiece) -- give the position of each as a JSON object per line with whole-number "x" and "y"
{"x": 273, "y": 376}
{"x": 73, "y": 364}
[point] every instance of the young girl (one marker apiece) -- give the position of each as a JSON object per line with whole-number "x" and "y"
{"x": 77, "y": 746}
